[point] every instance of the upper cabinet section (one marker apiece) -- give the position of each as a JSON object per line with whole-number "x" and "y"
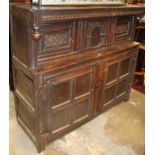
{"x": 47, "y": 33}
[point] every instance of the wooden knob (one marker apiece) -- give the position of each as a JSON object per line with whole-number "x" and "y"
{"x": 36, "y": 34}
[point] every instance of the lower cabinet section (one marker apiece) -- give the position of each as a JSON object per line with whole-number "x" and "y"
{"x": 70, "y": 97}
{"x": 60, "y": 101}
{"x": 78, "y": 94}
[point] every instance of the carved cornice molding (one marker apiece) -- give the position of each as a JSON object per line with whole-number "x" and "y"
{"x": 70, "y": 15}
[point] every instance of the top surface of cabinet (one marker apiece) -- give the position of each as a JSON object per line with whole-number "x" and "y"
{"x": 109, "y": 9}
{"x": 77, "y": 2}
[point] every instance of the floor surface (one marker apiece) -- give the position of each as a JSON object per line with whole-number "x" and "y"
{"x": 118, "y": 131}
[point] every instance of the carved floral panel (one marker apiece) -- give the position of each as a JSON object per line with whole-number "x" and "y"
{"x": 122, "y": 28}
{"x": 57, "y": 39}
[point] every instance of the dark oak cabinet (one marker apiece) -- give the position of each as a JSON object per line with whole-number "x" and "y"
{"x": 70, "y": 64}
{"x": 19, "y": 1}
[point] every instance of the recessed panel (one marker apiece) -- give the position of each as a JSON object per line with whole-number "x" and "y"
{"x": 20, "y": 38}
{"x": 112, "y": 72}
{"x": 81, "y": 110}
{"x": 61, "y": 93}
{"x": 25, "y": 115}
{"x": 82, "y": 84}
{"x": 109, "y": 94}
{"x": 60, "y": 119}
{"x": 124, "y": 67}
{"x": 121, "y": 87}
{"x": 25, "y": 86}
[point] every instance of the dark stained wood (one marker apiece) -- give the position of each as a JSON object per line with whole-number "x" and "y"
{"x": 19, "y": 1}
{"x": 70, "y": 64}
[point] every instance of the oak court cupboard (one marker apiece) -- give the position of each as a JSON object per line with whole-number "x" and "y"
{"x": 70, "y": 63}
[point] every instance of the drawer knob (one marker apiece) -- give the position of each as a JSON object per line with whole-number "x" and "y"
{"x": 36, "y": 34}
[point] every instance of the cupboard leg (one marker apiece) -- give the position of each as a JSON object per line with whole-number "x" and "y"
{"x": 40, "y": 146}
{"x": 127, "y": 97}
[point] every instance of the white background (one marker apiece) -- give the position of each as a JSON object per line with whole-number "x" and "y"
{"x": 149, "y": 77}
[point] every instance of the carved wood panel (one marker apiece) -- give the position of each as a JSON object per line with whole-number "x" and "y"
{"x": 96, "y": 33}
{"x": 57, "y": 38}
{"x": 24, "y": 86}
{"x": 123, "y": 29}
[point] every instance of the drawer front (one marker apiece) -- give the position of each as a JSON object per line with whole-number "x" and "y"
{"x": 124, "y": 29}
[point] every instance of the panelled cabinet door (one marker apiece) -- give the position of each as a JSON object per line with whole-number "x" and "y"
{"x": 71, "y": 96}
{"x": 117, "y": 79}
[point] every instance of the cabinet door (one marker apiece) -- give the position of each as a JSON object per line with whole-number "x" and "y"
{"x": 117, "y": 79}
{"x": 71, "y": 96}
{"x": 57, "y": 39}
